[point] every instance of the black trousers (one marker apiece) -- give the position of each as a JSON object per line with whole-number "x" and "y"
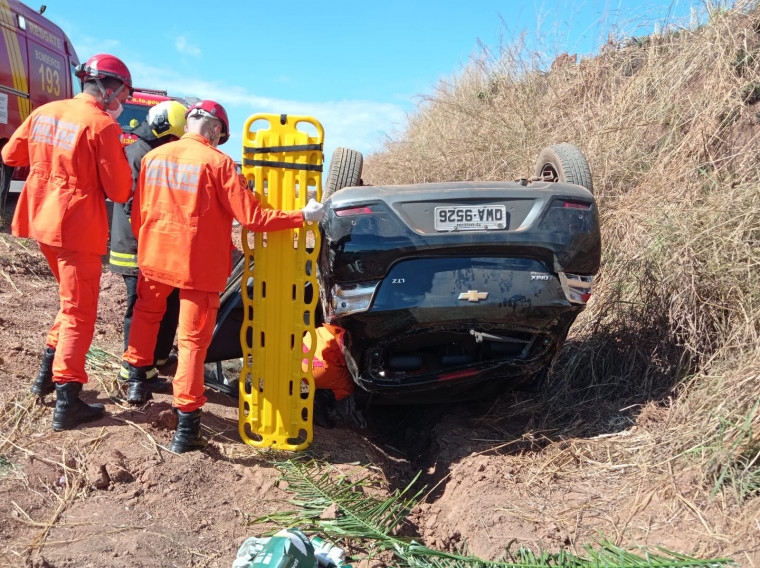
{"x": 168, "y": 328}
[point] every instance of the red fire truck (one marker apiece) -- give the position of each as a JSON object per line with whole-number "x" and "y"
{"x": 37, "y": 62}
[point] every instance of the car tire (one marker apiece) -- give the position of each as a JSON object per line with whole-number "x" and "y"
{"x": 6, "y": 173}
{"x": 345, "y": 171}
{"x": 234, "y": 280}
{"x": 564, "y": 163}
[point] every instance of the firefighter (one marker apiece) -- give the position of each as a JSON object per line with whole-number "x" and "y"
{"x": 77, "y": 160}
{"x": 165, "y": 123}
{"x": 187, "y": 196}
{"x": 334, "y": 397}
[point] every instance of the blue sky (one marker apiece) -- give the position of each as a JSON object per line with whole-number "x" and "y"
{"x": 357, "y": 67}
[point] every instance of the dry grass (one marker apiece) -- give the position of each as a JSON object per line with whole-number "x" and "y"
{"x": 670, "y": 125}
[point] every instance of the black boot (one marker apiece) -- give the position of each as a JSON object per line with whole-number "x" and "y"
{"x": 346, "y": 411}
{"x": 188, "y": 437}
{"x": 137, "y": 385}
{"x": 168, "y": 364}
{"x": 70, "y": 410}
{"x": 154, "y": 382}
{"x": 324, "y": 408}
{"x": 43, "y": 384}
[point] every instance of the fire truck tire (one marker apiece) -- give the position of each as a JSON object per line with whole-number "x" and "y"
{"x": 345, "y": 171}
{"x": 564, "y": 163}
{"x": 6, "y": 173}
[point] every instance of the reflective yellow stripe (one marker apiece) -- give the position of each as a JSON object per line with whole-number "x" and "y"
{"x": 8, "y": 36}
{"x": 5, "y": 14}
{"x": 17, "y": 64}
{"x": 129, "y": 260}
{"x": 119, "y": 263}
{"x": 128, "y": 264}
{"x": 14, "y": 57}
{"x": 151, "y": 373}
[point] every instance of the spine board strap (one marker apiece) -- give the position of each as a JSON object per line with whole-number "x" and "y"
{"x": 286, "y": 165}
{"x": 274, "y": 149}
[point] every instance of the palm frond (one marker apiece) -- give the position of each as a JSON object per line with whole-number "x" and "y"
{"x": 360, "y": 517}
{"x": 319, "y": 486}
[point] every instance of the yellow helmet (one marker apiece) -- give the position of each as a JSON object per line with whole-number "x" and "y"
{"x": 167, "y": 119}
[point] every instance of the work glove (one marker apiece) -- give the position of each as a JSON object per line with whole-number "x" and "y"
{"x": 314, "y": 211}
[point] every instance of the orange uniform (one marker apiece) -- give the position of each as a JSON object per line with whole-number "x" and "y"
{"x": 76, "y": 159}
{"x": 187, "y": 196}
{"x": 328, "y": 364}
{"x": 182, "y": 212}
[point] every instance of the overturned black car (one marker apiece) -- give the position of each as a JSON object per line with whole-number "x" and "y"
{"x": 448, "y": 290}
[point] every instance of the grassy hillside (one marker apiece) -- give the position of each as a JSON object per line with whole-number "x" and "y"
{"x": 670, "y": 124}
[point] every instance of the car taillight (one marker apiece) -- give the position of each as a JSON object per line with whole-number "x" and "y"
{"x": 579, "y": 287}
{"x": 348, "y": 211}
{"x": 576, "y": 205}
{"x": 352, "y": 298}
{"x": 569, "y": 216}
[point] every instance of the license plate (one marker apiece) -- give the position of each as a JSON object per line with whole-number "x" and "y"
{"x": 471, "y": 218}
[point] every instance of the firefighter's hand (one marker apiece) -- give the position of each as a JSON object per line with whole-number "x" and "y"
{"x": 314, "y": 211}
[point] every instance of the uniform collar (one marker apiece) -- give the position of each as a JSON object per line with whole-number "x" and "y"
{"x": 88, "y": 98}
{"x": 197, "y": 138}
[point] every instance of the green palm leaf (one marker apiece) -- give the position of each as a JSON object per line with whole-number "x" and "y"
{"x": 318, "y": 485}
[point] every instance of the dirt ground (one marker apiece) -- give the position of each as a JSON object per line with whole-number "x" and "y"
{"x": 108, "y": 493}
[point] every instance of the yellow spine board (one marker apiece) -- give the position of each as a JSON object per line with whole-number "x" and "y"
{"x": 283, "y": 162}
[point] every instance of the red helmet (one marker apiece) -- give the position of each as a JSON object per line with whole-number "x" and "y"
{"x": 211, "y": 109}
{"x": 104, "y": 65}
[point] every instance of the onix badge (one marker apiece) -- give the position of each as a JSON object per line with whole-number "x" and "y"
{"x": 473, "y": 296}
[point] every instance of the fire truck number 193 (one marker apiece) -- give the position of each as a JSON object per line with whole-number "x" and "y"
{"x": 51, "y": 80}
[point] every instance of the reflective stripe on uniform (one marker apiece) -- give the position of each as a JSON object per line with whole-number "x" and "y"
{"x": 123, "y": 259}
{"x": 151, "y": 373}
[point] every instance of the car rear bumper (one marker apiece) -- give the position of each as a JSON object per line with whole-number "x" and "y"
{"x": 437, "y": 322}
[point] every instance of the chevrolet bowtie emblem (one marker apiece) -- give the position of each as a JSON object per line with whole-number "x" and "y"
{"x": 473, "y": 296}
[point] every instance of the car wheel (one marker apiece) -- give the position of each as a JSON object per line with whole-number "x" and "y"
{"x": 234, "y": 280}
{"x": 564, "y": 163}
{"x": 345, "y": 170}
{"x": 6, "y": 173}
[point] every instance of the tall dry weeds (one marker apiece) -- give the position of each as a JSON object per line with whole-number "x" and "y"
{"x": 670, "y": 124}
